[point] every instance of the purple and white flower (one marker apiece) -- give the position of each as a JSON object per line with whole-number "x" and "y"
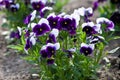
{"x": 6, "y": 3}
{"x": 44, "y": 10}
{"x": 90, "y": 28}
{"x": 38, "y": 4}
{"x": 30, "y": 42}
{"x": 70, "y": 52}
{"x": 41, "y": 28}
{"x": 30, "y": 17}
{"x": 96, "y": 4}
{"x": 69, "y": 23}
{"x": 14, "y": 7}
{"x": 95, "y": 39}
{"x": 16, "y": 34}
{"x": 85, "y": 12}
{"x": 53, "y": 20}
{"x": 52, "y": 36}
{"x": 109, "y": 25}
{"x": 47, "y": 51}
{"x": 86, "y": 49}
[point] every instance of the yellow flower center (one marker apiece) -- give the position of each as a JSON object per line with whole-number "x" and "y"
{"x": 52, "y": 51}
{"x": 86, "y": 29}
{"x": 38, "y": 6}
{"x": 40, "y": 29}
{"x": 65, "y": 23}
{"x": 54, "y": 22}
{"x": 86, "y": 51}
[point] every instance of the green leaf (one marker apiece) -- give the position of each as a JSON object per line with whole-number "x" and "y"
{"x": 23, "y": 39}
{"x": 16, "y": 47}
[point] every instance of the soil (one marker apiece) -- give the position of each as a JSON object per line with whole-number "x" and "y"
{"x": 12, "y": 67}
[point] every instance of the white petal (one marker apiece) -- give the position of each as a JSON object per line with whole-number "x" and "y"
{"x": 76, "y": 17}
{"x": 28, "y": 25}
{"x": 33, "y": 25}
{"x": 101, "y": 37}
{"x": 83, "y": 44}
{"x": 51, "y": 14}
{"x": 25, "y": 51}
{"x": 57, "y": 45}
{"x": 101, "y": 20}
{"x": 76, "y": 12}
{"x": 43, "y": 20}
{"x": 44, "y": 47}
{"x": 34, "y": 1}
{"x": 90, "y": 10}
{"x": 4, "y": 20}
{"x": 81, "y": 11}
{"x": 68, "y": 16}
{"x": 47, "y": 8}
{"x": 20, "y": 30}
{"x": 44, "y": 1}
{"x": 92, "y": 46}
{"x": 18, "y": 5}
{"x": 62, "y": 14}
{"x": 96, "y": 39}
{"x": 50, "y": 44}
{"x": 32, "y": 34}
{"x": 84, "y": 24}
{"x": 72, "y": 49}
{"x": 55, "y": 32}
{"x": 33, "y": 14}
{"x": 91, "y": 24}
{"x": 98, "y": 28}
{"x": 33, "y": 40}
{"x": 111, "y": 29}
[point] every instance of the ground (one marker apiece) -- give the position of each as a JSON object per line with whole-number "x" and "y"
{"x": 12, "y": 67}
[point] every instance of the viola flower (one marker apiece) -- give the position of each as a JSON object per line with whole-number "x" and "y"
{"x": 27, "y": 33}
{"x": 44, "y": 10}
{"x": 37, "y": 4}
{"x": 14, "y": 7}
{"x": 52, "y": 36}
{"x": 90, "y": 28}
{"x": 70, "y": 52}
{"x": 108, "y": 24}
{"x": 6, "y": 3}
{"x": 30, "y": 42}
{"x": 41, "y": 28}
{"x": 86, "y": 13}
{"x": 86, "y": 49}
{"x": 16, "y": 34}
{"x": 49, "y": 50}
{"x": 96, "y": 4}
{"x": 69, "y": 23}
{"x": 64, "y": 23}
{"x": 30, "y": 17}
{"x": 53, "y": 20}
{"x": 96, "y": 39}
{"x": 115, "y": 17}
{"x": 12, "y": 34}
